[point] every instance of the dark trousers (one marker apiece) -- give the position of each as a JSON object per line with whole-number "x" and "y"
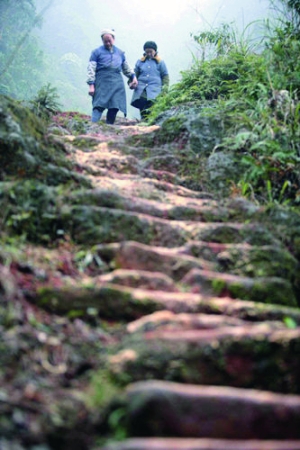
{"x": 110, "y": 116}
{"x": 144, "y": 107}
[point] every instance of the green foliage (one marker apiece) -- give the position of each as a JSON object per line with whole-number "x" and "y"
{"x": 30, "y": 209}
{"x": 21, "y": 59}
{"x": 117, "y": 424}
{"x": 107, "y": 396}
{"x": 102, "y": 389}
{"x": 88, "y": 259}
{"x": 256, "y": 89}
{"x": 282, "y": 50}
{"x": 218, "y": 41}
{"x": 290, "y": 322}
{"x": 234, "y": 74}
{"x": 46, "y": 102}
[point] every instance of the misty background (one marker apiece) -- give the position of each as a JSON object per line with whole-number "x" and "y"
{"x": 71, "y": 30}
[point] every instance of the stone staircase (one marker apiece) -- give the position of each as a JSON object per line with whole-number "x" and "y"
{"x": 208, "y": 353}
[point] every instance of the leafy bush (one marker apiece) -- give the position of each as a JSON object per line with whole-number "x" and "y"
{"x": 46, "y": 103}
{"x": 258, "y": 89}
{"x": 30, "y": 209}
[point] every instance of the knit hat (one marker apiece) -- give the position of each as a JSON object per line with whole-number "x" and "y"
{"x": 150, "y": 44}
{"x": 108, "y": 31}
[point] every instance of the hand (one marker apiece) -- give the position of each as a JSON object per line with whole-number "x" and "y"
{"x": 133, "y": 84}
{"x": 92, "y": 90}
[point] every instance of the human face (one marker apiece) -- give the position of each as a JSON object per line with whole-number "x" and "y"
{"x": 108, "y": 41}
{"x": 150, "y": 52}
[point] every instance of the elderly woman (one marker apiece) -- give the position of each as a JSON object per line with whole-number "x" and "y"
{"x": 106, "y": 85}
{"x": 152, "y": 75}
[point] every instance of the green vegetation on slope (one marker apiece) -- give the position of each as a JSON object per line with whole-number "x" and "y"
{"x": 257, "y": 91}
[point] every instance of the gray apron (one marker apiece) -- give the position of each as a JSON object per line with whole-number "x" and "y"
{"x": 110, "y": 90}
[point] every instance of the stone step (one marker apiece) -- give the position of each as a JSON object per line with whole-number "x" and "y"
{"x": 141, "y": 279}
{"x": 168, "y": 321}
{"x": 164, "y": 409}
{"x": 174, "y": 208}
{"x": 136, "y": 256}
{"x": 132, "y": 184}
{"x": 112, "y": 301}
{"x": 251, "y": 356}
{"x": 170, "y": 178}
{"x": 272, "y": 290}
{"x": 159, "y": 160}
{"x": 90, "y": 224}
{"x": 245, "y": 259}
{"x": 235, "y": 259}
{"x": 102, "y": 158}
{"x": 233, "y": 233}
{"x": 200, "y": 444}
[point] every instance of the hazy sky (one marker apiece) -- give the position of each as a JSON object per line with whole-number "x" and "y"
{"x": 170, "y": 12}
{"x": 169, "y": 24}
{"x": 158, "y": 11}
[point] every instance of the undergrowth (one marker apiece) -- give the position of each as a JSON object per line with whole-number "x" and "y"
{"x": 257, "y": 87}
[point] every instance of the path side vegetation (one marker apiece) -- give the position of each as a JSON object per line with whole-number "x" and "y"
{"x": 256, "y": 86}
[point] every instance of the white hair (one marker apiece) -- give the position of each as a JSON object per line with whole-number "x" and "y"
{"x": 108, "y": 31}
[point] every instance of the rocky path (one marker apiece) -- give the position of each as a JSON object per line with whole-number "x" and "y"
{"x": 197, "y": 299}
{"x": 210, "y": 359}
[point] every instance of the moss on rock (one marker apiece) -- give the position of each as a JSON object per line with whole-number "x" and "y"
{"x": 258, "y": 359}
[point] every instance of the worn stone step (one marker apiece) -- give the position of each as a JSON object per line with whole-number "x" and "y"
{"x": 133, "y": 184}
{"x": 118, "y": 163}
{"x": 174, "y": 207}
{"x": 102, "y": 158}
{"x": 251, "y": 356}
{"x": 169, "y": 321}
{"x": 273, "y": 290}
{"x": 136, "y": 256}
{"x": 195, "y": 274}
{"x": 141, "y": 279}
{"x": 233, "y": 233}
{"x": 245, "y": 259}
{"x": 123, "y": 303}
{"x": 170, "y": 178}
{"x": 93, "y": 224}
{"x": 90, "y": 224}
{"x": 242, "y": 260}
{"x": 164, "y": 409}
{"x": 159, "y": 160}
{"x": 200, "y": 444}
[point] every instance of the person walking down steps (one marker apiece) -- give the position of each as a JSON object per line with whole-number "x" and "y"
{"x": 106, "y": 85}
{"x": 152, "y": 75}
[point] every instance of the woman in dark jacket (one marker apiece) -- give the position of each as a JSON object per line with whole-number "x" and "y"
{"x": 152, "y": 75}
{"x": 105, "y": 80}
